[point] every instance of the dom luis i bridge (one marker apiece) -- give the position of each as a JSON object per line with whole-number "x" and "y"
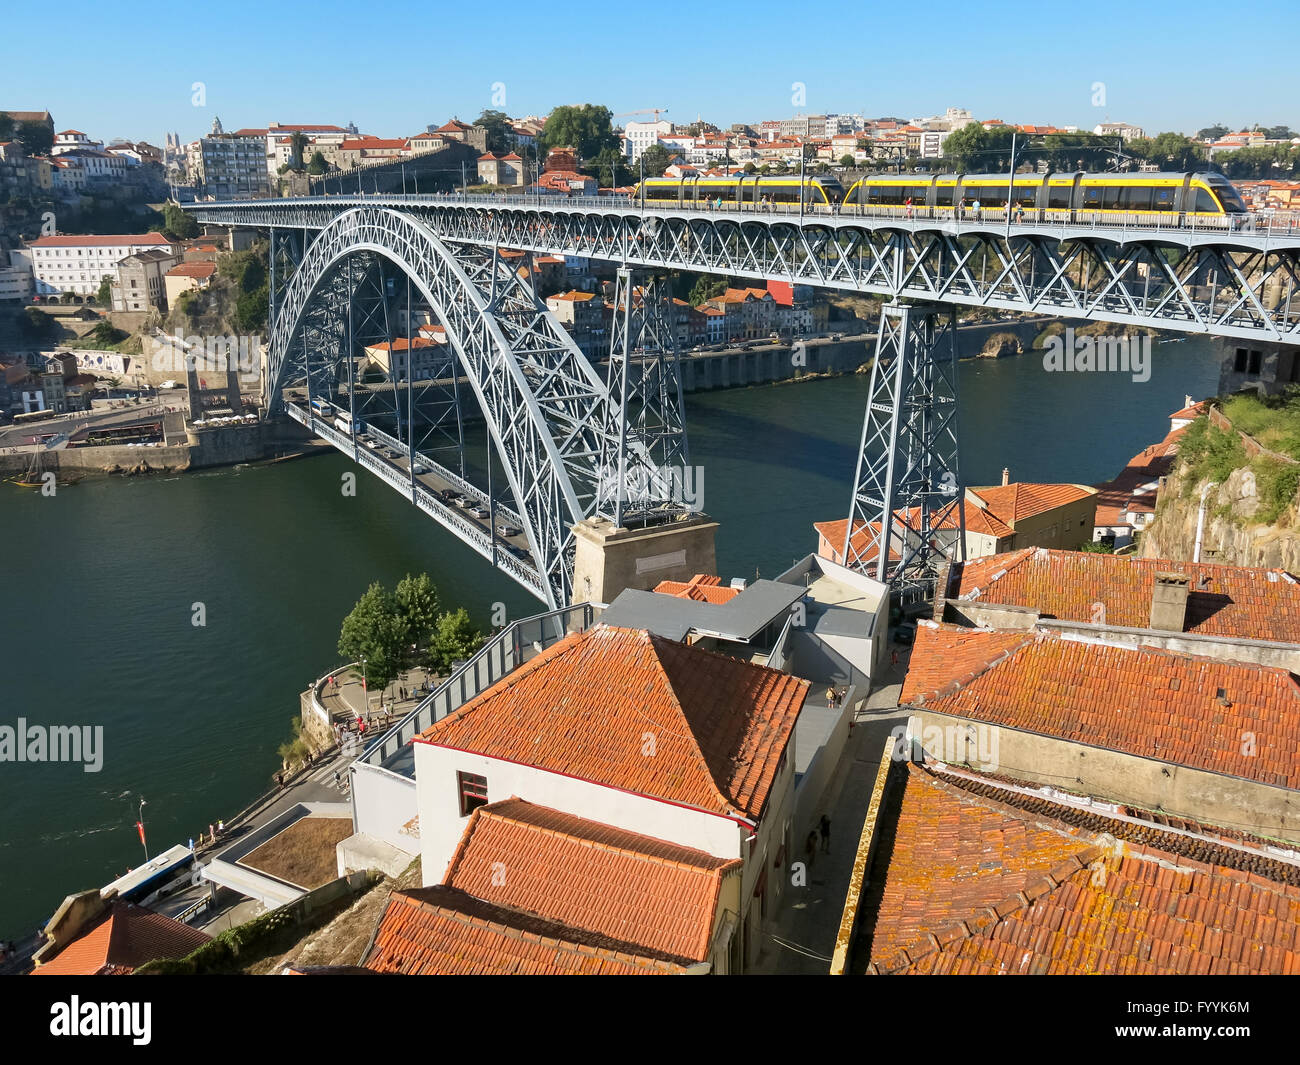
{"x": 589, "y": 504}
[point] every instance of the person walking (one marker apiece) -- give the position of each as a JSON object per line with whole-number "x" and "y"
{"x": 824, "y": 827}
{"x": 976, "y": 206}
{"x": 830, "y": 698}
{"x": 810, "y": 849}
{"x": 909, "y": 207}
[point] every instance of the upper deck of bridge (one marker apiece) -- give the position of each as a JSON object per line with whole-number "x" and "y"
{"x": 1257, "y": 232}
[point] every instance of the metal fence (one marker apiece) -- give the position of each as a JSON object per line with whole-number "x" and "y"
{"x": 504, "y": 652}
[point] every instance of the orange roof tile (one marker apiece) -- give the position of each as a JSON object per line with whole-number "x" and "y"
{"x": 193, "y": 270}
{"x": 1146, "y": 702}
{"x": 1015, "y": 502}
{"x": 1236, "y": 601}
{"x": 124, "y": 940}
{"x": 659, "y": 897}
{"x": 702, "y": 588}
{"x": 977, "y": 877}
{"x": 442, "y": 931}
{"x": 583, "y": 706}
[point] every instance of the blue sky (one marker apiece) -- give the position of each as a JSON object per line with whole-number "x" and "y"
{"x": 393, "y": 67}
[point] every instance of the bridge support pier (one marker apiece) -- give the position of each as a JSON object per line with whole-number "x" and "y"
{"x": 609, "y": 559}
{"x": 907, "y": 515}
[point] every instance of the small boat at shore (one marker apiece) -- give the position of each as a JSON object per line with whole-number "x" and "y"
{"x": 34, "y": 476}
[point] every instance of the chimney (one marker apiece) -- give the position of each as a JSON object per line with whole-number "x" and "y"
{"x": 1169, "y": 602}
{"x": 1006, "y": 476}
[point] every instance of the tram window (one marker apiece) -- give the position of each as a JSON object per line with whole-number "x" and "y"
{"x": 1137, "y": 198}
{"x": 1026, "y": 196}
{"x": 943, "y": 196}
{"x": 1205, "y": 203}
{"x": 1112, "y": 198}
{"x": 1092, "y": 198}
{"x": 1164, "y": 200}
{"x": 1058, "y": 197}
{"x": 891, "y": 194}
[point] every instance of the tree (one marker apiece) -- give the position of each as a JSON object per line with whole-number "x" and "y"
{"x": 36, "y": 326}
{"x": 1211, "y": 133}
{"x": 749, "y": 168}
{"x": 610, "y": 165}
{"x": 317, "y": 166}
{"x": 705, "y": 288}
{"x": 1169, "y": 151}
{"x": 6, "y": 126}
{"x": 655, "y": 160}
{"x": 587, "y": 129}
{"x": 106, "y": 290}
{"x": 456, "y": 639}
{"x": 417, "y": 606}
{"x": 1279, "y": 133}
{"x": 297, "y": 146}
{"x": 500, "y": 130}
{"x": 846, "y": 160}
{"x": 374, "y": 631}
{"x": 251, "y": 310}
{"x": 177, "y": 224}
{"x": 36, "y": 137}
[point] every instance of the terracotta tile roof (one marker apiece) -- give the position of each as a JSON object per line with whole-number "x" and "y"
{"x": 658, "y": 896}
{"x": 1015, "y": 502}
{"x": 1148, "y": 465}
{"x": 440, "y": 930}
{"x": 976, "y": 878}
{"x": 371, "y": 143}
{"x": 583, "y": 706}
{"x": 1146, "y": 702}
{"x": 864, "y": 532}
{"x": 401, "y": 344}
{"x": 1248, "y": 602}
{"x": 101, "y": 240}
{"x": 124, "y": 940}
{"x": 702, "y": 587}
{"x": 193, "y": 270}
{"x": 573, "y": 297}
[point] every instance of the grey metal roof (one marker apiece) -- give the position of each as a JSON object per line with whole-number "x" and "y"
{"x": 844, "y": 621}
{"x": 743, "y": 618}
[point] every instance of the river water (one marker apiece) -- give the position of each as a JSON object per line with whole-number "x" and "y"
{"x": 106, "y": 580}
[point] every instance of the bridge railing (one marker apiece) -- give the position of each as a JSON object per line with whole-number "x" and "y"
{"x": 501, "y": 655}
{"x": 1270, "y": 221}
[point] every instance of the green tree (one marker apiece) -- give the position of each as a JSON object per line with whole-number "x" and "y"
{"x": 36, "y": 137}
{"x": 6, "y": 126}
{"x": 846, "y": 160}
{"x": 749, "y": 168}
{"x": 1279, "y": 133}
{"x": 36, "y": 326}
{"x": 1169, "y": 151}
{"x": 1211, "y": 133}
{"x": 177, "y": 224}
{"x": 655, "y": 160}
{"x": 587, "y": 129}
{"x": 317, "y": 166}
{"x": 297, "y": 146}
{"x": 105, "y": 295}
{"x": 500, "y": 130}
{"x": 251, "y": 310}
{"x": 417, "y": 605}
{"x": 705, "y": 288}
{"x": 456, "y": 639}
{"x": 374, "y": 631}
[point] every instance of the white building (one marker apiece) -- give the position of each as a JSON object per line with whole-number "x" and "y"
{"x": 638, "y": 136}
{"x": 623, "y": 729}
{"x": 73, "y": 139}
{"x": 16, "y": 282}
{"x": 1122, "y": 129}
{"x": 79, "y": 263}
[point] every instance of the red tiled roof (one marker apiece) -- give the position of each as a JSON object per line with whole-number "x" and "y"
{"x": 369, "y": 143}
{"x": 658, "y": 897}
{"x": 442, "y": 931}
{"x": 193, "y": 270}
{"x": 1011, "y": 503}
{"x": 701, "y": 587}
{"x": 1149, "y": 464}
{"x": 1235, "y": 601}
{"x": 583, "y": 706}
{"x": 1146, "y": 702}
{"x": 124, "y": 940}
{"x": 980, "y": 878}
{"x": 100, "y": 240}
{"x": 401, "y": 343}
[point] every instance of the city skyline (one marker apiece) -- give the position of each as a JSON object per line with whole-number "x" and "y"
{"x": 514, "y": 74}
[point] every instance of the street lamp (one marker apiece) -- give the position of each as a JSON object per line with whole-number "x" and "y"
{"x": 364, "y": 687}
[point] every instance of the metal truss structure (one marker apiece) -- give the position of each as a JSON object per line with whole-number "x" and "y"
{"x": 1216, "y": 282}
{"x": 547, "y": 410}
{"x": 1210, "y": 281}
{"x": 641, "y": 481}
{"x": 908, "y": 512}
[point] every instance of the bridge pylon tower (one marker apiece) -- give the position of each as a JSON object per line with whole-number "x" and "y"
{"x": 907, "y": 515}
{"x": 645, "y": 395}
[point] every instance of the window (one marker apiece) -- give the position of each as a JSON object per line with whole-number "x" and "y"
{"x": 473, "y": 792}
{"x": 1205, "y": 203}
{"x": 1137, "y": 198}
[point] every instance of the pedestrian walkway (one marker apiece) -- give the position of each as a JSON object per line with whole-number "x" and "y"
{"x": 801, "y": 937}
{"x": 346, "y": 699}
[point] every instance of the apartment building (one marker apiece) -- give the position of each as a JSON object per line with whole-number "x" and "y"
{"x": 79, "y": 263}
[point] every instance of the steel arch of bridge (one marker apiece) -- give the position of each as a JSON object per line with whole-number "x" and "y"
{"x": 1215, "y": 282}
{"x": 547, "y": 411}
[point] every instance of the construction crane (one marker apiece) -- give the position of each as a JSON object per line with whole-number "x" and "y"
{"x": 656, "y": 111}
